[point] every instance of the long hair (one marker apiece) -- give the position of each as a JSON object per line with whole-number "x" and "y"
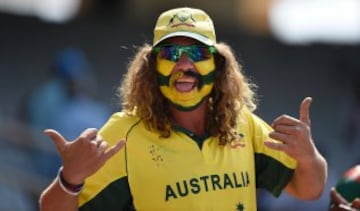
{"x": 140, "y": 94}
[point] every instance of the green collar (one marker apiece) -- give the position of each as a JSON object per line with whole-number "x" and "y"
{"x": 198, "y": 139}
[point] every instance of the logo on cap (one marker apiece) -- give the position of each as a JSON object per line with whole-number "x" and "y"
{"x": 184, "y": 18}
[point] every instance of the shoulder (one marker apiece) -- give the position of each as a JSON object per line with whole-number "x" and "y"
{"x": 117, "y": 126}
{"x": 252, "y": 121}
{"x": 121, "y": 118}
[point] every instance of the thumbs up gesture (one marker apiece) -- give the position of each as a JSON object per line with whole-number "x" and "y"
{"x": 294, "y": 135}
{"x": 83, "y": 156}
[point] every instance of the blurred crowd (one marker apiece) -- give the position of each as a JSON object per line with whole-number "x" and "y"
{"x": 65, "y": 101}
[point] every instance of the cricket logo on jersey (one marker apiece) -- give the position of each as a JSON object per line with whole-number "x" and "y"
{"x": 156, "y": 155}
{"x": 238, "y": 142}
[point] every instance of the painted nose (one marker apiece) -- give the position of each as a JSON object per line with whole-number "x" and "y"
{"x": 184, "y": 63}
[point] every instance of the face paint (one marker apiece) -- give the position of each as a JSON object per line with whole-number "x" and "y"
{"x": 164, "y": 67}
{"x": 205, "y": 67}
{"x": 186, "y": 100}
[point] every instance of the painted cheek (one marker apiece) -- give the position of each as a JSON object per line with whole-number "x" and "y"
{"x": 206, "y": 66}
{"x": 164, "y": 67}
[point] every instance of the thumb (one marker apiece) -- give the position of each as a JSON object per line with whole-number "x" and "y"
{"x": 305, "y": 110}
{"x": 57, "y": 138}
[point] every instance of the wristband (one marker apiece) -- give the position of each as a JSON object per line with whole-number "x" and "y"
{"x": 68, "y": 188}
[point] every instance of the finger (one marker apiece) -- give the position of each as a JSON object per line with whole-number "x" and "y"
{"x": 344, "y": 207}
{"x": 57, "y": 138}
{"x": 284, "y": 138}
{"x": 98, "y": 140}
{"x": 102, "y": 147}
{"x": 356, "y": 203}
{"x": 336, "y": 197}
{"x": 286, "y": 129}
{"x": 275, "y": 145}
{"x": 284, "y": 120}
{"x": 305, "y": 110}
{"x": 114, "y": 149}
{"x": 89, "y": 134}
{"x": 97, "y": 143}
{"x": 94, "y": 144}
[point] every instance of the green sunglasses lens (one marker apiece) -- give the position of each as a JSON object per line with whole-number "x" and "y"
{"x": 194, "y": 52}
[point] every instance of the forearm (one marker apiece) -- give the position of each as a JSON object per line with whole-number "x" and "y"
{"x": 309, "y": 179}
{"x": 55, "y": 199}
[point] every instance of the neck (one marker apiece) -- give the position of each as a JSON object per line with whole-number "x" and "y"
{"x": 194, "y": 120}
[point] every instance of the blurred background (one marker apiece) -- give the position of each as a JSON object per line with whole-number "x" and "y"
{"x": 62, "y": 60}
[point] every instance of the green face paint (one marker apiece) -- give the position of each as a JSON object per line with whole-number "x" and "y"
{"x": 186, "y": 100}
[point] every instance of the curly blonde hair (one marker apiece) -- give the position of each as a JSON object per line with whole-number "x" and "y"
{"x": 141, "y": 96}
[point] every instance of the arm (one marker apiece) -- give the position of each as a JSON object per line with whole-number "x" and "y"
{"x": 81, "y": 159}
{"x": 295, "y": 139}
{"x": 309, "y": 178}
{"x": 54, "y": 198}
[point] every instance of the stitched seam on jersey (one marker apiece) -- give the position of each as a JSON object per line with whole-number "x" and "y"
{"x": 126, "y": 139}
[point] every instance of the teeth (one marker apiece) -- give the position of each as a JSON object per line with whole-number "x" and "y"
{"x": 185, "y": 80}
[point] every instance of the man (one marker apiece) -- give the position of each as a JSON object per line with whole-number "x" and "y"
{"x": 192, "y": 141}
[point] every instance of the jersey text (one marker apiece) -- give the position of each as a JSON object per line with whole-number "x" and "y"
{"x": 207, "y": 183}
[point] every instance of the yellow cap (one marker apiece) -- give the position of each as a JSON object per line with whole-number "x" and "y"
{"x": 187, "y": 22}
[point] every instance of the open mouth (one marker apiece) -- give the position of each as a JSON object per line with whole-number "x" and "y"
{"x": 185, "y": 83}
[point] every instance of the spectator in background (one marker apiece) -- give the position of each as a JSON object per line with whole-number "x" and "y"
{"x": 346, "y": 194}
{"x": 341, "y": 204}
{"x": 66, "y": 98}
{"x": 80, "y": 106}
{"x": 14, "y": 195}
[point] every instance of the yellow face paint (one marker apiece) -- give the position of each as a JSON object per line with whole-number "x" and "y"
{"x": 185, "y": 100}
{"x": 206, "y": 66}
{"x": 164, "y": 67}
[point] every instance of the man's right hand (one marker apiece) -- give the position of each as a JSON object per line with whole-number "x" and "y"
{"x": 83, "y": 156}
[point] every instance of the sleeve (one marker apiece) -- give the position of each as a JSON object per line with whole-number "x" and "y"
{"x": 108, "y": 189}
{"x": 274, "y": 169}
{"x": 114, "y": 197}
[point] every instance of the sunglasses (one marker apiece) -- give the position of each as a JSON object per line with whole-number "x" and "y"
{"x": 194, "y": 52}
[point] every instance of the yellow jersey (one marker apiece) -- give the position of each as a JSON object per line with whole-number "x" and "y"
{"x": 185, "y": 172}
